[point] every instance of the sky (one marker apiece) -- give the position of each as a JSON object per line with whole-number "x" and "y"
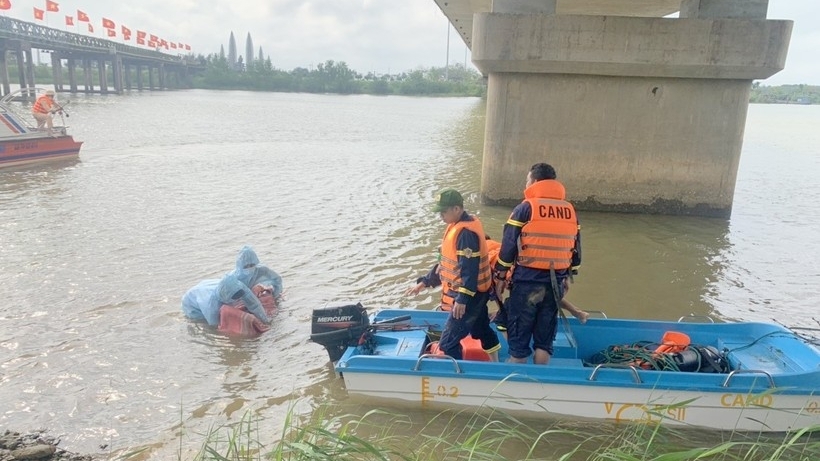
{"x": 381, "y": 36}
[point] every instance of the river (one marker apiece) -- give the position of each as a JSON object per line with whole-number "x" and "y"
{"x": 334, "y": 193}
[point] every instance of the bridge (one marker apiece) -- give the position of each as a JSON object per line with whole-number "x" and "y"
{"x": 106, "y": 66}
{"x": 637, "y": 111}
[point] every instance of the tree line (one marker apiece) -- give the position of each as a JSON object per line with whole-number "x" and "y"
{"x": 785, "y": 94}
{"x": 336, "y": 77}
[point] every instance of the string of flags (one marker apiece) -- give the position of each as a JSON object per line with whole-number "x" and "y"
{"x": 109, "y": 26}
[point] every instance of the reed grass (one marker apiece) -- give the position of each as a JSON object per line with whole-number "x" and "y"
{"x": 492, "y": 435}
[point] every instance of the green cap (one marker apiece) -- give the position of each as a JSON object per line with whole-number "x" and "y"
{"x": 448, "y": 198}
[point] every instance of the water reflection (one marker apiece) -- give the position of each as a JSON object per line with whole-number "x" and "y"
{"x": 337, "y": 196}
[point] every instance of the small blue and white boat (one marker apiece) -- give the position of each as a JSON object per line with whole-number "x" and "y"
{"x": 769, "y": 380}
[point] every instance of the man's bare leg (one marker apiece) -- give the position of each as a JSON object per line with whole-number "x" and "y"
{"x": 541, "y": 357}
{"x": 579, "y": 314}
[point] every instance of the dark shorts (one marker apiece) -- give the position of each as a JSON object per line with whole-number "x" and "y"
{"x": 532, "y": 317}
{"x": 475, "y": 323}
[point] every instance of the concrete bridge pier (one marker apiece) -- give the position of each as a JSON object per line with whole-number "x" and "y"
{"x": 72, "y": 74}
{"x": 161, "y": 77}
{"x": 150, "y": 77}
{"x": 139, "y": 77}
{"x": 127, "y": 74}
{"x": 4, "y": 72}
{"x": 57, "y": 71}
{"x": 25, "y": 66}
{"x": 87, "y": 76}
{"x": 102, "y": 75}
{"x": 637, "y": 114}
{"x": 116, "y": 73}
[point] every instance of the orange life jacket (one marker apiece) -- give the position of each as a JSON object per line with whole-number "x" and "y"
{"x": 450, "y": 273}
{"x": 548, "y": 239}
{"x": 672, "y": 342}
{"x": 42, "y": 105}
{"x": 493, "y": 250}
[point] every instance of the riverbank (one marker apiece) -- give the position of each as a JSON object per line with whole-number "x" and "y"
{"x": 16, "y": 446}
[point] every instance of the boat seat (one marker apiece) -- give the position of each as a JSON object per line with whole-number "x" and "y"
{"x": 758, "y": 357}
{"x": 401, "y": 343}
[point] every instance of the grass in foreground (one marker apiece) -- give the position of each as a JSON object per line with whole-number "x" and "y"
{"x": 449, "y": 435}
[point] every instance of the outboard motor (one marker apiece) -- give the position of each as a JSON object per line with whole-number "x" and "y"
{"x": 337, "y": 328}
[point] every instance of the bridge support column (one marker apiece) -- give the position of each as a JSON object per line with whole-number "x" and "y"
{"x": 161, "y": 77}
{"x": 103, "y": 76}
{"x": 139, "y": 77}
{"x": 636, "y": 114}
{"x": 150, "y": 78}
{"x": 22, "y": 50}
{"x": 4, "y": 69}
{"x": 116, "y": 73}
{"x": 89, "y": 82}
{"x": 127, "y": 71}
{"x": 72, "y": 75}
{"x": 57, "y": 71}
{"x": 30, "y": 72}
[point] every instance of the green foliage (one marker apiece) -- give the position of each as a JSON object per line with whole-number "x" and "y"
{"x": 785, "y": 94}
{"x": 336, "y": 77}
{"x": 487, "y": 435}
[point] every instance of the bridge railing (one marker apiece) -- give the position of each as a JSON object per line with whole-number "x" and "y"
{"x": 55, "y": 39}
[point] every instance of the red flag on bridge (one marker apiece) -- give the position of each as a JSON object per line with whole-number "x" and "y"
{"x": 69, "y": 21}
{"x": 52, "y": 6}
{"x": 173, "y": 45}
{"x": 90, "y": 28}
{"x": 125, "y": 30}
{"x": 82, "y": 16}
{"x": 5, "y": 4}
{"x": 153, "y": 38}
{"x": 39, "y": 14}
{"x": 187, "y": 47}
{"x": 140, "y": 34}
{"x": 112, "y": 33}
{"x": 140, "y": 40}
{"x": 108, "y": 24}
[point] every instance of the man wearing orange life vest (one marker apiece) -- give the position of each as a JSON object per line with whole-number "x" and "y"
{"x": 542, "y": 239}
{"x": 43, "y": 109}
{"x": 465, "y": 276}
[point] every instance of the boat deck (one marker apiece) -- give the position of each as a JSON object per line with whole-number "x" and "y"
{"x": 759, "y": 348}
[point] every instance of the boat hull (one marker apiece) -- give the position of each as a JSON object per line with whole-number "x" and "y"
{"x": 27, "y": 151}
{"x": 773, "y": 385}
{"x": 729, "y": 410}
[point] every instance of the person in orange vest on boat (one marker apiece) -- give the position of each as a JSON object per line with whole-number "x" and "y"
{"x": 43, "y": 109}
{"x": 465, "y": 276}
{"x": 542, "y": 239}
{"x": 432, "y": 280}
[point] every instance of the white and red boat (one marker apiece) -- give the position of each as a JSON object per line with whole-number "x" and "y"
{"x": 21, "y": 143}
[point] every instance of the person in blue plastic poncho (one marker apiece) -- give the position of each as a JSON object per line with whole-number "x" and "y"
{"x": 251, "y": 273}
{"x": 202, "y": 302}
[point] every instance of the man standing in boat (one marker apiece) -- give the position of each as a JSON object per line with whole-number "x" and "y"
{"x": 542, "y": 238}
{"x": 465, "y": 276}
{"x": 43, "y": 110}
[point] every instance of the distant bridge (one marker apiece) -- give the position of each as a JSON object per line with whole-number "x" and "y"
{"x": 126, "y": 66}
